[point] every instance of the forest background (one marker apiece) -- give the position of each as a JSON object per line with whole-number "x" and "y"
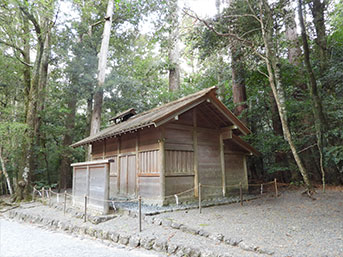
{"x": 277, "y": 64}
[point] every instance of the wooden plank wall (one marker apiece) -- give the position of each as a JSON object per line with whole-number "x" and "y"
{"x": 91, "y": 180}
{"x": 97, "y": 181}
{"x": 80, "y": 187}
{"x": 179, "y": 155}
{"x": 148, "y": 163}
{"x": 209, "y": 161}
{"x": 235, "y": 171}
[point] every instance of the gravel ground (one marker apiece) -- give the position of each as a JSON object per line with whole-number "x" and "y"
{"x": 20, "y": 240}
{"x": 290, "y": 225}
{"x": 154, "y": 209}
{"x": 127, "y": 225}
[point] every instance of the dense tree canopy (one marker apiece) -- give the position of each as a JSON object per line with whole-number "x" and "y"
{"x": 277, "y": 65}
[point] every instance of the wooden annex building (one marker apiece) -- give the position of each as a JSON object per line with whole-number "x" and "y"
{"x": 165, "y": 151}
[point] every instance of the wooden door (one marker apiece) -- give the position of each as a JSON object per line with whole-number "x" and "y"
{"x": 127, "y": 184}
{"x": 123, "y": 175}
{"x": 131, "y": 175}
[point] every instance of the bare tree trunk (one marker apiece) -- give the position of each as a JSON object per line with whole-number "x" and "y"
{"x": 3, "y": 166}
{"x": 317, "y": 107}
{"x": 173, "y": 48}
{"x": 273, "y": 67}
{"x": 98, "y": 96}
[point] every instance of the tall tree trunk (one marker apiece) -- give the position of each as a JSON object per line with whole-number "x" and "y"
{"x": 317, "y": 8}
{"x": 65, "y": 169}
{"x": 280, "y": 157}
{"x": 238, "y": 82}
{"x": 25, "y": 174}
{"x": 294, "y": 50}
{"x": 173, "y": 47}
{"x": 98, "y": 96}
{"x": 317, "y": 107}
{"x": 3, "y": 166}
{"x": 273, "y": 67}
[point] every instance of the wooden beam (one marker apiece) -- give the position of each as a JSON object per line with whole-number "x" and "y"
{"x": 104, "y": 149}
{"x": 74, "y": 184}
{"x": 87, "y": 180}
{"x": 118, "y": 165}
{"x": 226, "y": 133}
{"x": 222, "y": 163}
{"x": 137, "y": 163}
{"x": 245, "y": 171}
{"x": 162, "y": 164}
{"x": 107, "y": 187}
{"x": 195, "y": 149}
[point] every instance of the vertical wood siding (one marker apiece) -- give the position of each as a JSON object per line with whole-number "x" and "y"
{"x": 148, "y": 162}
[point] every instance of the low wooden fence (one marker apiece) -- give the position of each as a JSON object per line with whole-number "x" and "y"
{"x": 46, "y": 195}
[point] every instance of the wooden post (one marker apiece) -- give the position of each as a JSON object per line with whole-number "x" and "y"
{"x": 43, "y": 195}
{"x": 222, "y": 163}
{"x": 162, "y": 165}
{"x": 73, "y": 186}
{"x": 199, "y": 197}
{"x": 87, "y": 179}
{"x": 140, "y": 212}
{"x": 195, "y": 153}
{"x": 106, "y": 187}
{"x": 49, "y": 196}
{"x": 65, "y": 202}
{"x": 33, "y": 193}
{"x": 137, "y": 163}
{"x": 85, "y": 217}
{"x": 276, "y": 190}
{"x": 241, "y": 193}
{"x": 118, "y": 165}
{"x": 261, "y": 189}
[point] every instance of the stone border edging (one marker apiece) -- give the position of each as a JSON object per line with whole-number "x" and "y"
{"x": 217, "y": 237}
{"x": 146, "y": 242}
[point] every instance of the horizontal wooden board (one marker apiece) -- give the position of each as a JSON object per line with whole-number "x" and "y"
{"x": 128, "y": 143}
{"x": 178, "y": 136}
{"x": 111, "y": 146}
{"x": 234, "y": 169}
{"x": 148, "y": 139}
{"x": 97, "y": 150}
{"x": 178, "y": 146}
{"x": 113, "y": 186}
{"x": 175, "y": 185}
{"x": 149, "y": 187}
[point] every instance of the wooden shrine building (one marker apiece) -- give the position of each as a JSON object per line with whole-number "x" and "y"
{"x": 165, "y": 151}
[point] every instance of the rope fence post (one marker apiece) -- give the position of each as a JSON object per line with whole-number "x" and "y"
{"x": 241, "y": 193}
{"x": 276, "y": 190}
{"x": 261, "y": 189}
{"x": 140, "y": 212}
{"x": 65, "y": 202}
{"x": 33, "y": 193}
{"x": 43, "y": 194}
{"x": 199, "y": 197}
{"x": 49, "y": 196}
{"x": 85, "y": 217}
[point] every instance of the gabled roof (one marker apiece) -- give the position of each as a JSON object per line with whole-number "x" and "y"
{"x": 164, "y": 113}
